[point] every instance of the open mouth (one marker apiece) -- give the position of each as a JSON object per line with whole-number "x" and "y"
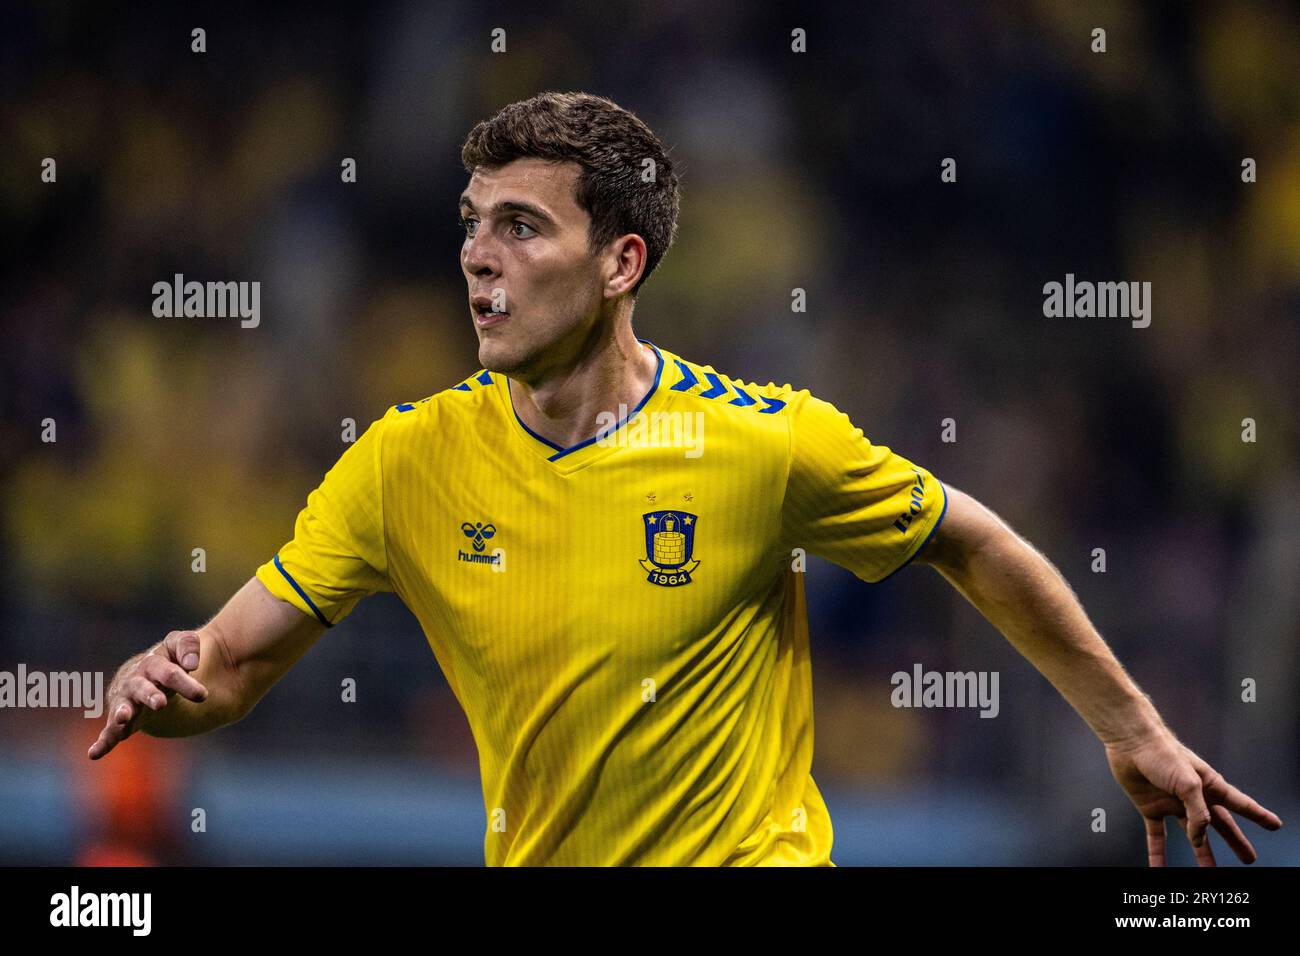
{"x": 485, "y": 316}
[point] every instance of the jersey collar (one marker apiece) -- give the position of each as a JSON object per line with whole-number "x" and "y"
{"x": 574, "y": 456}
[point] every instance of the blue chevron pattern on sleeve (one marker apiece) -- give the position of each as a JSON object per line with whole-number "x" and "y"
{"x": 718, "y": 388}
{"x": 689, "y": 378}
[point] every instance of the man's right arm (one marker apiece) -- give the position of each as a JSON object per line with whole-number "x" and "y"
{"x": 195, "y": 681}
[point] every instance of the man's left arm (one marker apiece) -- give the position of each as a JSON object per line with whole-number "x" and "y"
{"x": 1023, "y": 595}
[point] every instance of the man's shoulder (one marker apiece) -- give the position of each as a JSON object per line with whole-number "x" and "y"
{"x": 733, "y": 396}
{"x": 454, "y": 405}
{"x": 465, "y": 397}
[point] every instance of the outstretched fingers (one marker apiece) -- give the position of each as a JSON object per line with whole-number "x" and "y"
{"x": 116, "y": 729}
{"x": 1197, "y": 817}
{"x": 1155, "y": 841}
{"x": 1204, "y": 854}
{"x": 166, "y": 674}
{"x": 1222, "y": 792}
{"x": 147, "y": 683}
{"x": 1232, "y": 835}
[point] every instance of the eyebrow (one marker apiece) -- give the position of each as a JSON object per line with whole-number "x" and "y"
{"x": 511, "y": 205}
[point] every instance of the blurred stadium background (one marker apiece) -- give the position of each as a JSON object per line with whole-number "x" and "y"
{"x": 817, "y": 171}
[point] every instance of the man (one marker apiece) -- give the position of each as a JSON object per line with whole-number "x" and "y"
{"x": 602, "y": 542}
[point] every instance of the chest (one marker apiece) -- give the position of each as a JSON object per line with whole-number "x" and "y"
{"x": 649, "y": 547}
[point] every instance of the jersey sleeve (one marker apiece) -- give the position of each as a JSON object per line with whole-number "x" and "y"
{"x": 337, "y": 555}
{"x": 851, "y": 502}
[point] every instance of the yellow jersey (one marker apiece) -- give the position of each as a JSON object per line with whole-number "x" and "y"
{"x": 623, "y": 621}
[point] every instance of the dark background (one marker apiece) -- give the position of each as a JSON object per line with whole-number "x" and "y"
{"x": 817, "y": 171}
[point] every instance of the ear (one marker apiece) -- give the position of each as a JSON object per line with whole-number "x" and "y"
{"x": 626, "y": 261}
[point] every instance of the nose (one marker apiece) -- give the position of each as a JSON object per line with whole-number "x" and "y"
{"x": 479, "y": 255}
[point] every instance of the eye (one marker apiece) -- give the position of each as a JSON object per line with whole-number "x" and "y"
{"x": 465, "y": 223}
{"x": 517, "y": 223}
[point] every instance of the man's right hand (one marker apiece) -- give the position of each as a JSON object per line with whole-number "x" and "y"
{"x": 253, "y": 640}
{"x": 146, "y": 683}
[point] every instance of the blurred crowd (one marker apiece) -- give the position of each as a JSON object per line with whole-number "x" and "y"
{"x": 818, "y": 171}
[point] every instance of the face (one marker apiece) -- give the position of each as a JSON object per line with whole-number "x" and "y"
{"x": 535, "y": 289}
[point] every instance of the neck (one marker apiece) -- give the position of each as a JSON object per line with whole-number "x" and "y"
{"x": 565, "y": 404}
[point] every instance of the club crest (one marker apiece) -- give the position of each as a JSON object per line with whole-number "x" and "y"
{"x": 669, "y": 542}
